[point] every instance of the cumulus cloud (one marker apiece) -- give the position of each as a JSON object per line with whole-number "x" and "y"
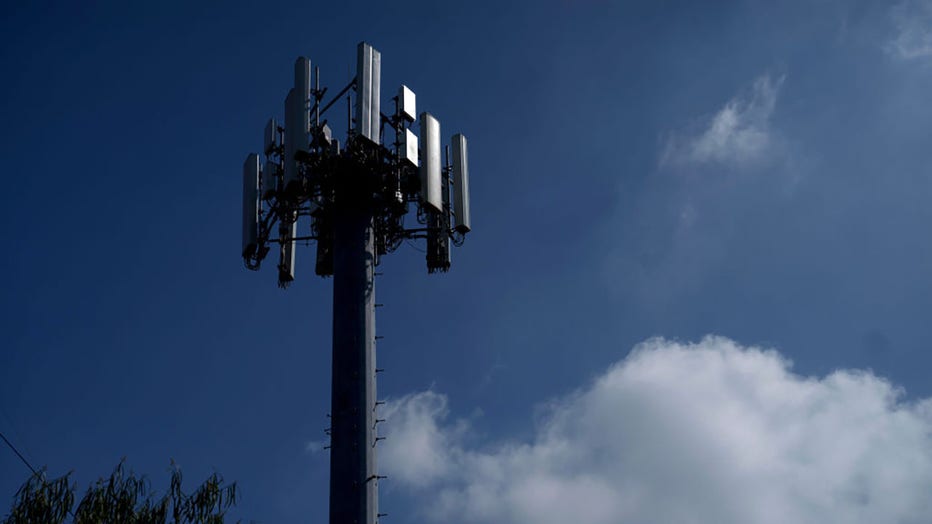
{"x": 686, "y": 433}
{"x": 912, "y": 20}
{"x": 738, "y": 135}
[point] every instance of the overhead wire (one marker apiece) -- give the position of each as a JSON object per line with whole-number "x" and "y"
{"x": 7, "y": 422}
{"x": 28, "y": 465}
{"x": 18, "y": 454}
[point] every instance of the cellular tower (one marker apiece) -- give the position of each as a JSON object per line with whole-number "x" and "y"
{"x": 355, "y": 197}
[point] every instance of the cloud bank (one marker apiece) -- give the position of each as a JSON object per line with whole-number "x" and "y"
{"x": 738, "y": 135}
{"x": 685, "y": 433}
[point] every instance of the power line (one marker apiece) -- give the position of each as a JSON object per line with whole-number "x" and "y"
{"x": 28, "y": 465}
{"x": 18, "y": 454}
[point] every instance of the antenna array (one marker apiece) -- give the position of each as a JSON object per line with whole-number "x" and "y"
{"x": 307, "y": 173}
{"x": 357, "y": 196}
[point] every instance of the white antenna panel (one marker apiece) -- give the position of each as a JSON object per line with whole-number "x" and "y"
{"x": 271, "y": 136}
{"x": 250, "y": 204}
{"x": 302, "y": 87}
{"x": 368, "y": 84}
{"x": 295, "y": 139}
{"x": 291, "y": 124}
{"x": 460, "y": 183}
{"x": 409, "y": 151}
{"x": 431, "y": 187}
{"x": 407, "y": 103}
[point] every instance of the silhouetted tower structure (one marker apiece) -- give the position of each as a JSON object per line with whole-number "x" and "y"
{"x": 356, "y": 196}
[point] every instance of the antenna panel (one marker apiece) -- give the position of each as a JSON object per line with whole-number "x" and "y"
{"x": 269, "y": 178}
{"x": 296, "y": 137}
{"x": 302, "y": 77}
{"x": 291, "y": 125}
{"x": 302, "y": 87}
{"x": 460, "y": 183}
{"x": 409, "y": 148}
{"x": 407, "y": 103}
{"x": 271, "y": 136}
{"x": 431, "y": 188}
{"x": 297, "y": 132}
{"x": 368, "y": 84}
{"x": 250, "y": 204}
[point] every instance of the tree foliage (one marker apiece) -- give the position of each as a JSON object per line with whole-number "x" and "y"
{"x": 121, "y": 498}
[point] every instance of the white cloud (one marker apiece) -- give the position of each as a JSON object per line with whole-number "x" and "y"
{"x": 738, "y": 135}
{"x": 710, "y": 432}
{"x": 913, "y": 22}
{"x": 415, "y": 422}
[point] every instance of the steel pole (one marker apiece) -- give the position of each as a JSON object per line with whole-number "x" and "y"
{"x": 353, "y": 473}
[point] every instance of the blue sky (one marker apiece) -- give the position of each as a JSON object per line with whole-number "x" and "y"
{"x": 758, "y": 171}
